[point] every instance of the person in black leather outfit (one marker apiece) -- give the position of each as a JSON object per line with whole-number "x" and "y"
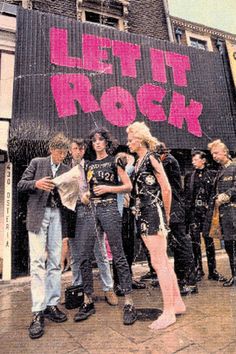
{"x": 224, "y": 197}
{"x": 151, "y": 196}
{"x": 179, "y": 242}
{"x": 198, "y": 188}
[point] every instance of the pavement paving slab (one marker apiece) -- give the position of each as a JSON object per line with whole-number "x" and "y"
{"x": 209, "y": 325}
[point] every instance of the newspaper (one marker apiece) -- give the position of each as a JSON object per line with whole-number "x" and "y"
{"x": 69, "y": 187}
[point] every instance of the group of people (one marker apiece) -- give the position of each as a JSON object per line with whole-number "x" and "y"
{"x": 117, "y": 196}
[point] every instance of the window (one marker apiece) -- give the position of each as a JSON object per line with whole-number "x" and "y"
{"x": 198, "y": 43}
{"x": 101, "y": 19}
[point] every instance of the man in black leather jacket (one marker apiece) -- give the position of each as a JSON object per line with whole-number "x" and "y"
{"x": 224, "y": 197}
{"x": 179, "y": 241}
{"x": 198, "y": 188}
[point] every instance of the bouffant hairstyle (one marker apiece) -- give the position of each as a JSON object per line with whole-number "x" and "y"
{"x": 218, "y": 143}
{"x": 142, "y": 132}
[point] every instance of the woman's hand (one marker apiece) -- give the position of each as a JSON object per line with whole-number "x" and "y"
{"x": 85, "y": 199}
{"x": 102, "y": 189}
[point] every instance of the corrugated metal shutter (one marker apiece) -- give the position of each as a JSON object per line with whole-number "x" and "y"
{"x": 35, "y": 111}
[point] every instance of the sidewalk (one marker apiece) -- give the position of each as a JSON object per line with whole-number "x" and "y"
{"x": 209, "y": 325}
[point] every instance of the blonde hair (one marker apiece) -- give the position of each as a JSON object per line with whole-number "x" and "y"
{"x": 142, "y": 132}
{"x": 218, "y": 143}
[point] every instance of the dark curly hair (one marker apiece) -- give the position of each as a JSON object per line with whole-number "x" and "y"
{"x": 111, "y": 143}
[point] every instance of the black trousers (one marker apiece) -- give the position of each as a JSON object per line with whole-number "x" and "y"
{"x": 230, "y": 247}
{"x": 106, "y": 216}
{"x": 180, "y": 244}
{"x": 128, "y": 236}
{"x": 195, "y": 229}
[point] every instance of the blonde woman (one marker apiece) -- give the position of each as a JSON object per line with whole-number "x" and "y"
{"x": 152, "y": 202}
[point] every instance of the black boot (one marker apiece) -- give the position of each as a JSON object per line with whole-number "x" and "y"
{"x": 199, "y": 274}
{"x": 230, "y": 282}
{"x": 36, "y": 328}
{"x": 188, "y": 289}
{"x": 54, "y": 314}
{"x": 85, "y": 311}
{"x": 216, "y": 276}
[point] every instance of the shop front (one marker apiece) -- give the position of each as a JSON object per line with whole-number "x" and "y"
{"x": 72, "y": 77}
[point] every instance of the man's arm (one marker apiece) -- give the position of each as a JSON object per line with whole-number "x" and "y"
{"x": 28, "y": 182}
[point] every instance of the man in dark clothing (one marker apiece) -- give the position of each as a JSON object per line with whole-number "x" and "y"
{"x": 224, "y": 198}
{"x": 179, "y": 242}
{"x": 198, "y": 188}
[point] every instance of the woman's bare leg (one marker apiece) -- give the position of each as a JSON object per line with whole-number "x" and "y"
{"x": 172, "y": 301}
{"x": 179, "y": 305}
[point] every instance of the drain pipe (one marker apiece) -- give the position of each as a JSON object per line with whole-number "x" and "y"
{"x": 169, "y": 27}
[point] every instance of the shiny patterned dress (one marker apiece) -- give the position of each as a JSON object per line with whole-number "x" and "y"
{"x": 147, "y": 202}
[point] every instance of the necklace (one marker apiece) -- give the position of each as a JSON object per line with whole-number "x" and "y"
{"x": 140, "y": 162}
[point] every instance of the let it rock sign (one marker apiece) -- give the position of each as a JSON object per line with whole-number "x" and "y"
{"x": 117, "y": 103}
{"x": 73, "y": 76}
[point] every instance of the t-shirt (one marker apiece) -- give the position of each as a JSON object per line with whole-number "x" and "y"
{"x": 102, "y": 172}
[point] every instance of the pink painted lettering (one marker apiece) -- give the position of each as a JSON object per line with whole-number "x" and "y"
{"x": 95, "y": 53}
{"x": 179, "y": 112}
{"x": 128, "y": 54}
{"x": 158, "y": 65}
{"x": 59, "y": 49}
{"x": 118, "y": 106}
{"x": 69, "y": 88}
{"x": 179, "y": 64}
{"x": 148, "y": 97}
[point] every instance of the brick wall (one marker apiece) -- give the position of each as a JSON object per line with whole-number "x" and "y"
{"x": 65, "y": 8}
{"x": 145, "y": 17}
{"x": 148, "y": 18}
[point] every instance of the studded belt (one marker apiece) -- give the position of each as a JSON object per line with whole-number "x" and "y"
{"x": 97, "y": 201}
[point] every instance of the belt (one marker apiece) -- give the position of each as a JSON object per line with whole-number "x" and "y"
{"x": 102, "y": 201}
{"x": 200, "y": 203}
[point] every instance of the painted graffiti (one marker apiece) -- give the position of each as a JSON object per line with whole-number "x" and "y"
{"x": 119, "y": 105}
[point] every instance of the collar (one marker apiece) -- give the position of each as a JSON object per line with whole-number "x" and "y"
{"x": 200, "y": 170}
{"x": 227, "y": 164}
{"x": 74, "y": 163}
{"x": 82, "y": 163}
{"x": 54, "y": 165}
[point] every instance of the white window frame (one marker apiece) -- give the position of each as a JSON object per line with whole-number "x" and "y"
{"x": 121, "y": 26}
{"x": 200, "y": 37}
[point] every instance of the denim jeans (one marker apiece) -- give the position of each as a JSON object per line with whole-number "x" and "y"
{"x": 103, "y": 216}
{"x": 99, "y": 252}
{"x": 45, "y": 268}
{"x": 128, "y": 240}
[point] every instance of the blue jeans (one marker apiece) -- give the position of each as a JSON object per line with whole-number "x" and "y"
{"x": 45, "y": 268}
{"x": 89, "y": 221}
{"x": 99, "y": 252}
